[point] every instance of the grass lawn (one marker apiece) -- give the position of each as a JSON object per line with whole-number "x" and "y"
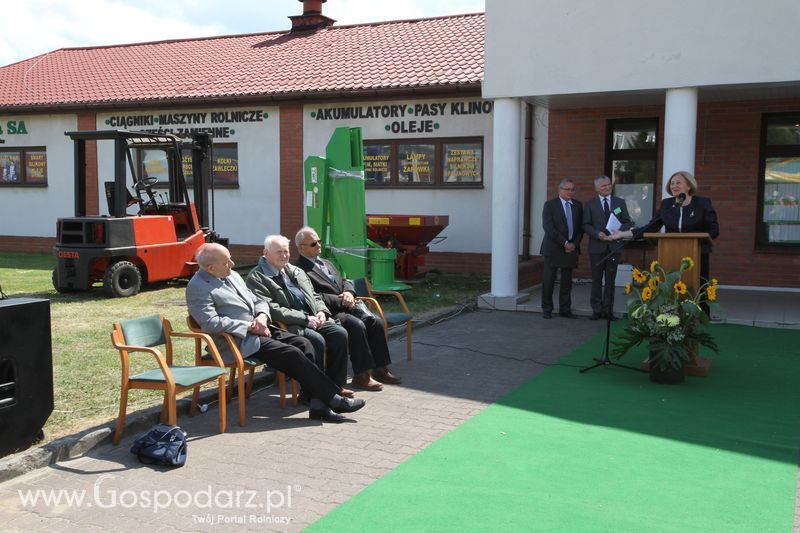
{"x": 86, "y": 369}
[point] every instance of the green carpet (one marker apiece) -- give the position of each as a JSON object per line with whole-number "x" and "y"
{"x": 608, "y": 451}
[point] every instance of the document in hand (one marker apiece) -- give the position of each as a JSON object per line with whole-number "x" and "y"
{"x": 613, "y": 223}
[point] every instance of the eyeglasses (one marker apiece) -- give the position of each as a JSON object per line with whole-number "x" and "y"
{"x": 569, "y": 189}
{"x": 312, "y": 244}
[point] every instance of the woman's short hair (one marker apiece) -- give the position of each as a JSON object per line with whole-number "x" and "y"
{"x": 685, "y": 174}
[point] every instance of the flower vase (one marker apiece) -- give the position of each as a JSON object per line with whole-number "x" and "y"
{"x": 666, "y": 376}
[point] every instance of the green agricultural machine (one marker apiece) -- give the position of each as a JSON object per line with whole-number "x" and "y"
{"x": 336, "y": 209}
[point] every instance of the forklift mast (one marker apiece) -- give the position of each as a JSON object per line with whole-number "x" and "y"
{"x": 124, "y": 251}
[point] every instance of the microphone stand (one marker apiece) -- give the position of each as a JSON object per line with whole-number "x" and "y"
{"x": 604, "y": 360}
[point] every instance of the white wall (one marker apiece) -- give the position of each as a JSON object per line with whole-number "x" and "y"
{"x": 542, "y": 47}
{"x": 243, "y": 215}
{"x": 32, "y": 211}
{"x": 469, "y": 210}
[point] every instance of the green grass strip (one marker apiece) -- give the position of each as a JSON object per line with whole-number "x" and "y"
{"x": 609, "y": 451}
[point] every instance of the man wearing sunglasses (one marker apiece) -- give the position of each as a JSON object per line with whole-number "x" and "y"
{"x": 369, "y": 352}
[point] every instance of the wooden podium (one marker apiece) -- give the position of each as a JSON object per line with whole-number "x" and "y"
{"x": 672, "y": 248}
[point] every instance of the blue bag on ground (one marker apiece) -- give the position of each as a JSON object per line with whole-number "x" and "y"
{"x": 164, "y": 444}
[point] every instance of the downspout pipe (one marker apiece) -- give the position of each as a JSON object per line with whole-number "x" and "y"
{"x": 527, "y": 184}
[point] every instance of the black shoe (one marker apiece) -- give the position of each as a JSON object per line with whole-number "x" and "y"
{"x": 547, "y": 314}
{"x": 350, "y": 405}
{"x": 568, "y": 314}
{"x": 595, "y": 316}
{"x": 326, "y": 415}
{"x": 612, "y": 318}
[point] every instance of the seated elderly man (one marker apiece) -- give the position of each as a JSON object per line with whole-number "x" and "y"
{"x": 368, "y": 349}
{"x": 219, "y": 301}
{"x": 292, "y": 300}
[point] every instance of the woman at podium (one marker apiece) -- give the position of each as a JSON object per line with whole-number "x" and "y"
{"x": 685, "y": 213}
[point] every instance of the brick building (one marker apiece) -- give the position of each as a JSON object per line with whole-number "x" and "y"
{"x": 635, "y": 92}
{"x": 270, "y": 100}
{"x": 638, "y": 91}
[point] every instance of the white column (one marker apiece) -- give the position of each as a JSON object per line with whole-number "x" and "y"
{"x": 680, "y": 132}
{"x": 505, "y": 197}
{"x": 541, "y": 123}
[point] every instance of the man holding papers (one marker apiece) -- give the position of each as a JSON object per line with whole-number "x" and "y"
{"x": 603, "y": 217}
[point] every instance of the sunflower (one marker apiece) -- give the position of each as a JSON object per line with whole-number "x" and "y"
{"x": 680, "y": 287}
{"x": 638, "y": 276}
{"x": 628, "y": 288}
{"x": 714, "y": 282}
{"x": 653, "y": 266}
{"x": 647, "y": 293}
{"x": 712, "y": 293}
{"x": 689, "y": 262}
{"x": 652, "y": 283}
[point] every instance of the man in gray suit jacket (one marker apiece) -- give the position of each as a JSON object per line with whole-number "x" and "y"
{"x": 219, "y": 301}
{"x": 596, "y": 213}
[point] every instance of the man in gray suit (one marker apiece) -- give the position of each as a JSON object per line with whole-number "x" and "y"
{"x": 596, "y": 214}
{"x": 219, "y": 301}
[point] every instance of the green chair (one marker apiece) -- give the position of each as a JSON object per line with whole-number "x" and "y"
{"x": 366, "y": 293}
{"x": 145, "y": 334}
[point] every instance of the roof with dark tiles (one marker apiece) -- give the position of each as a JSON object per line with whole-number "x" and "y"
{"x": 406, "y": 55}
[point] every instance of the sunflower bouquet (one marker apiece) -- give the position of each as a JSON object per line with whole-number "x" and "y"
{"x": 662, "y": 312}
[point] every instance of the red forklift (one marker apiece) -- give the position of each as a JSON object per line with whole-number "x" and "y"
{"x": 126, "y": 250}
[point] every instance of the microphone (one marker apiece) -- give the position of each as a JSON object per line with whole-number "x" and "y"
{"x": 680, "y": 199}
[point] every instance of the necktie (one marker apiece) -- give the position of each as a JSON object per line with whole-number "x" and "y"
{"x": 295, "y": 294}
{"x": 324, "y": 269}
{"x": 568, "y": 210}
{"x": 606, "y": 210}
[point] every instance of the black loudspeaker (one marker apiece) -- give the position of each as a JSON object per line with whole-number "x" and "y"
{"x": 26, "y": 371}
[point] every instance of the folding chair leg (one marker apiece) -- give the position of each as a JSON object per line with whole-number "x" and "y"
{"x": 195, "y": 399}
{"x": 242, "y": 398}
{"x": 408, "y": 341}
{"x": 123, "y": 407}
{"x": 295, "y": 389}
{"x": 251, "y": 378}
{"x": 222, "y": 405}
{"x": 230, "y": 383}
{"x": 164, "y": 419}
{"x": 282, "y": 388}
{"x": 172, "y": 414}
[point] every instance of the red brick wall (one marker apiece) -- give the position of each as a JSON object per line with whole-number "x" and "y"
{"x": 27, "y": 244}
{"x": 291, "y": 169}
{"x": 87, "y": 120}
{"x": 458, "y": 262}
{"x": 728, "y": 139}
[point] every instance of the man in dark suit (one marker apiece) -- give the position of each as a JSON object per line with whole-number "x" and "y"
{"x": 562, "y": 220}
{"x": 369, "y": 352}
{"x": 596, "y": 215}
{"x": 219, "y": 301}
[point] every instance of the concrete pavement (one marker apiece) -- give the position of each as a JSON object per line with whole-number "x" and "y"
{"x": 282, "y": 471}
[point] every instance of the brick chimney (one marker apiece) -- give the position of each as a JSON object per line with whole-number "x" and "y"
{"x": 312, "y": 18}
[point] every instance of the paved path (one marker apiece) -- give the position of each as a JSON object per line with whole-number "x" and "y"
{"x": 282, "y": 471}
